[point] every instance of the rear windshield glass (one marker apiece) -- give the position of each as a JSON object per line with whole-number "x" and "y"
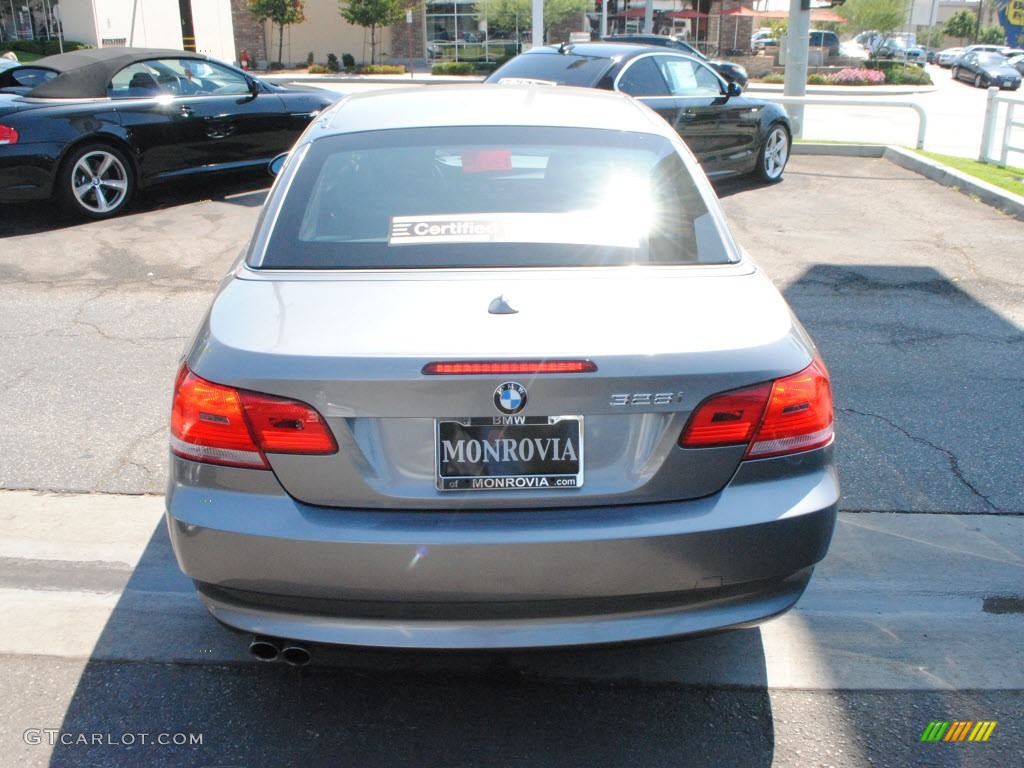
{"x": 563, "y": 68}
{"x": 491, "y": 197}
{"x": 991, "y": 59}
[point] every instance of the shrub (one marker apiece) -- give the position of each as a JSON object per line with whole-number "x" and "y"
{"x": 852, "y": 76}
{"x": 909, "y": 75}
{"x": 332, "y": 62}
{"x": 348, "y": 61}
{"x": 319, "y": 69}
{"x": 453, "y": 68}
{"x": 817, "y": 79}
{"x": 773, "y": 77}
{"x": 44, "y": 47}
{"x": 275, "y": 65}
{"x": 381, "y": 69}
{"x": 310, "y": 59}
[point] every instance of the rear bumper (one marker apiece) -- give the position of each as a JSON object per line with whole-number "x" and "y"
{"x": 27, "y": 171}
{"x": 267, "y": 564}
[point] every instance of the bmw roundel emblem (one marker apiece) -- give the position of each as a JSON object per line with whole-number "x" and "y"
{"x": 510, "y": 397}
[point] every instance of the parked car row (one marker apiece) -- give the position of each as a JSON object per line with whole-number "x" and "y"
{"x": 949, "y": 56}
{"x": 986, "y": 69}
{"x": 817, "y": 38}
{"x": 90, "y": 128}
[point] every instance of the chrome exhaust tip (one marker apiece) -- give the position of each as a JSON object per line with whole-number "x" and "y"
{"x": 265, "y": 648}
{"x": 296, "y": 655}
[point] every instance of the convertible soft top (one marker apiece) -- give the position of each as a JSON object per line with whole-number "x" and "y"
{"x": 85, "y": 74}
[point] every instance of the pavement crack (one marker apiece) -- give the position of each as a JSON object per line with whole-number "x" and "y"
{"x": 124, "y": 460}
{"x": 12, "y": 383}
{"x": 954, "y": 462}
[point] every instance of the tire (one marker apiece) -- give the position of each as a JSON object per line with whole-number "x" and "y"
{"x": 955, "y": 73}
{"x": 977, "y": 81}
{"x": 771, "y": 160}
{"x": 96, "y": 181}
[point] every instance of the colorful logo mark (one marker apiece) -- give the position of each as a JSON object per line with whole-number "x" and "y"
{"x": 958, "y": 730}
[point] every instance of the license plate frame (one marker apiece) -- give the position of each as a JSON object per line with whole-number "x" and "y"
{"x": 483, "y": 454}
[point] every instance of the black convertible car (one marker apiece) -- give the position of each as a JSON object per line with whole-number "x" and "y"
{"x": 728, "y": 132}
{"x": 90, "y": 127}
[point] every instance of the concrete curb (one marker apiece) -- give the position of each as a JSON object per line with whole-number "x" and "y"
{"x": 1000, "y": 199}
{"x": 847, "y": 90}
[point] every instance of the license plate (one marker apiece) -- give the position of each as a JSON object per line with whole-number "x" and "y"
{"x": 509, "y": 453}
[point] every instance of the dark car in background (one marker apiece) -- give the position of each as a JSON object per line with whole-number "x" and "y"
{"x": 91, "y": 127}
{"x": 728, "y": 132}
{"x": 985, "y": 69}
{"x": 733, "y": 73}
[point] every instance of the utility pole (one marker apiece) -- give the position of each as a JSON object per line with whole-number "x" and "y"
{"x": 797, "y": 40}
{"x": 538, "y": 23}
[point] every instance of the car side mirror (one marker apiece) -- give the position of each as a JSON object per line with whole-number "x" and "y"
{"x": 275, "y": 165}
{"x": 733, "y": 89}
{"x": 254, "y": 87}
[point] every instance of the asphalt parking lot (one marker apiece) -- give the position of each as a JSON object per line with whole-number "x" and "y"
{"x": 915, "y": 296}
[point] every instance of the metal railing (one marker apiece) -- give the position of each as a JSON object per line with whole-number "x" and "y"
{"x": 828, "y": 101}
{"x": 988, "y": 133}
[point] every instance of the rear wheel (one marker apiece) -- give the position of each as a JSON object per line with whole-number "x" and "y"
{"x": 771, "y": 161}
{"x": 96, "y": 182}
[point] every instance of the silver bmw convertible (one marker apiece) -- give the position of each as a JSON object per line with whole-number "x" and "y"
{"x": 493, "y": 373}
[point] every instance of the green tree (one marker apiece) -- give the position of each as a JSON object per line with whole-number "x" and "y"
{"x": 372, "y": 14}
{"x": 993, "y": 35}
{"x": 510, "y": 15}
{"x": 933, "y": 37}
{"x": 778, "y": 27}
{"x": 884, "y": 16}
{"x": 962, "y": 24}
{"x": 284, "y": 13}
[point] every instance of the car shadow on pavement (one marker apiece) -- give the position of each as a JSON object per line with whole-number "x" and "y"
{"x": 163, "y": 667}
{"x": 926, "y": 385}
{"x": 29, "y": 218}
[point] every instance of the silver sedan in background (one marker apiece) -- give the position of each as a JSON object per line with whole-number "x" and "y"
{"x": 493, "y": 373}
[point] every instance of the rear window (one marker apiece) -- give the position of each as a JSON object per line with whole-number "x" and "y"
{"x": 991, "y": 60}
{"x": 491, "y": 197}
{"x": 562, "y": 68}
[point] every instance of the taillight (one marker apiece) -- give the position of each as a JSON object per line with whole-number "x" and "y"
{"x": 8, "y": 135}
{"x": 221, "y": 425}
{"x": 507, "y": 367}
{"x": 789, "y": 415}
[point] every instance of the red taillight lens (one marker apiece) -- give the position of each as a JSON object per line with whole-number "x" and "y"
{"x": 730, "y": 418}
{"x": 508, "y": 367}
{"x": 287, "y": 426}
{"x": 799, "y": 415}
{"x": 788, "y": 415}
{"x": 8, "y": 135}
{"x": 221, "y": 425}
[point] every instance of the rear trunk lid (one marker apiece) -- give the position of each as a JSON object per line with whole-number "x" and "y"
{"x": 354, "y": 346}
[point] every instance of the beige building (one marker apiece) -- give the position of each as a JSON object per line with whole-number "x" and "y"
{"x": 324, "y": 32}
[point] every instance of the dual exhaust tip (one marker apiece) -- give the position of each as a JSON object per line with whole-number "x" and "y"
{"x": 274, "y": 649}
